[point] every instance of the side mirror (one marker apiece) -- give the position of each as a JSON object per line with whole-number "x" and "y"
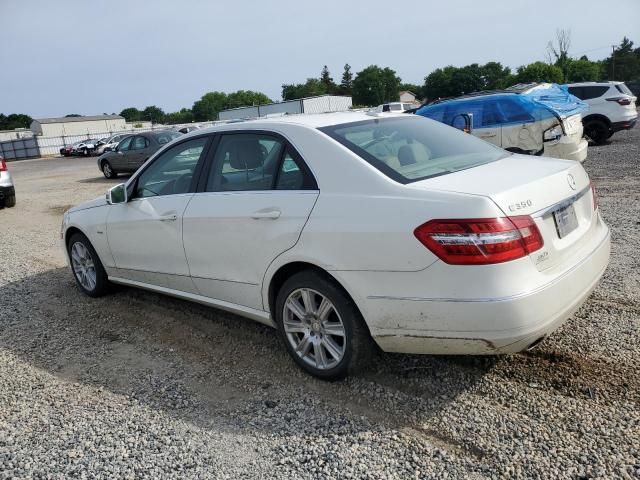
{"x": 117, "y": 194}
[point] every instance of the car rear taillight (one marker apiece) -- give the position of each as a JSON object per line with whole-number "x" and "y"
{"x": 3, "y": 165}
{"x": 480, "y": 241}
{"x": 620, "y": 100}
{"x": 594, "y": 197}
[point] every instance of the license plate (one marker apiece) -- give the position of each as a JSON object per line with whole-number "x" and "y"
{"x": 566, "y": 220}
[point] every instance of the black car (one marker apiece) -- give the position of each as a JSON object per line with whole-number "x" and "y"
{"x": 133, "y": 151}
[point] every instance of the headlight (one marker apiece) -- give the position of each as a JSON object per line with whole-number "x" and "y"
{"x": 554, "y": 133}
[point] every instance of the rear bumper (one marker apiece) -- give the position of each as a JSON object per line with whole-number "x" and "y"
{"x": 626, "y": 125}
{"x": 473, "y": 326}
{"x": 568, "y": 150}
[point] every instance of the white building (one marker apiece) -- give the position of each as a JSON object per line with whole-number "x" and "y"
{"x": 407, "y": 97}
{"x": 70, "y": 126}
{"x": 320, "y": 104}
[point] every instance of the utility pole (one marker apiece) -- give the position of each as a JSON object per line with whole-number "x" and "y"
{"x": 613, "y": 62}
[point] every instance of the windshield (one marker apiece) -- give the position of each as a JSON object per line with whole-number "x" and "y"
{"x": 413, "y": 148}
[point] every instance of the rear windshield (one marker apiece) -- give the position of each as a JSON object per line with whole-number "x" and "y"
{"x": 413, "y": 148}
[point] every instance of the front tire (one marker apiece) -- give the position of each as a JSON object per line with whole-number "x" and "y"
{"x": 86, "y": 266}
{"x": 321, "y": 327}
{"x": 10, "y": 201}
{"x": 108, "y": 170}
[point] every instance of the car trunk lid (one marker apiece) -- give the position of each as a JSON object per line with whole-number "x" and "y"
{"x": 554, "y": 192}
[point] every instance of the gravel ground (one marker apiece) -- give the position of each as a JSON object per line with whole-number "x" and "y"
{"x": 136, "y": 385}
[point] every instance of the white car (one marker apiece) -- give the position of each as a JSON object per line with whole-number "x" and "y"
{"x": 346, "y": 230}
{"x": 612, "y": 107}
{"x": 7, "y": 189}
{"x": 110, "y": 143}
{"x": 394, "y": 107}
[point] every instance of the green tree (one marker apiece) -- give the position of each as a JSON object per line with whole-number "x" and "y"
{"x": 244, "y": 98}
{"x": 185, "y": 115}
{"x": 495, "y": 76}
{"x": 131, "y": 114}
{"x": 209, "y": 105}
{"x": 374, "y": 85}
{"x": 346, "y": 84}
{"x": 583, "y": 70}
{"x": 539, "y": 72}
{"x": 14, "y": 120}
{"x": 624, "y": 62}
{"x": 327, "y": 80}
{"x": 72, "y": 115}
{"x": 311, "y": 88}
{"x": 153, "y": 114}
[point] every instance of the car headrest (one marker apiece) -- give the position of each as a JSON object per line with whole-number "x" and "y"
{"x": 413, "y": 153}
{"x": 245, "y": 154}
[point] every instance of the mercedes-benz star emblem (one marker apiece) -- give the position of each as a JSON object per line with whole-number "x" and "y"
{"x": 571, "y": 181}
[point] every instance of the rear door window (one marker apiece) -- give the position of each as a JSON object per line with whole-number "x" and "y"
{"x": 245, "y": 161}
{"x": 593, "y": 91}
{"x": 513, "y": 112}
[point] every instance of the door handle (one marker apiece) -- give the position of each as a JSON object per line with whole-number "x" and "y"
{"x": 168, "y": 218}
{"x": 267, "y": 213}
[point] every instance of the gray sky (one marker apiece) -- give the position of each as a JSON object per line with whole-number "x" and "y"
{"x": 89, "y": 57}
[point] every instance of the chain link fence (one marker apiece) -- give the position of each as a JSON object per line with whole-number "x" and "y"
{"x": 38, "y": 146}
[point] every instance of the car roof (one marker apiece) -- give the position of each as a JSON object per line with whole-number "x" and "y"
{"x": 313, "y": 120}
{"x": 593, "y": 84}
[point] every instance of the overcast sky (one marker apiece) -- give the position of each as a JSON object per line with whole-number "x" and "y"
{"x": 89, "y": 57}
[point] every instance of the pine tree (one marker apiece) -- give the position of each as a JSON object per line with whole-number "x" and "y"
{"x": 327, "y": 81}
{"x": 347, "y": 80}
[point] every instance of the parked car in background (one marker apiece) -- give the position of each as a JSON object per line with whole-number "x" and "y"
{"x": 345, "y": 229}
{"x": 612, "y": 107}
{"x": 84, "y": 147}
{"x": 395, "y": 107}
{"x": 132, "y": 151}
{"x": 188, "y": 128}
{"x": 110, "y": 143}
{"x": 7, "y": 189}
{"x": 529, "y": 119}
{"x": 69, "y": 149}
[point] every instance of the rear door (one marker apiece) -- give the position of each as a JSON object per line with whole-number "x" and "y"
{"x": 518, "y": 132}
{"x": 251, "y": 206}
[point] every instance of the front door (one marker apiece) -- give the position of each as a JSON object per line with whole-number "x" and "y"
{"x": 145, "y": 234}
{"x": 257, "y": 198}
{"x": 139, "y": 152}
{"x": 120, "y": 159}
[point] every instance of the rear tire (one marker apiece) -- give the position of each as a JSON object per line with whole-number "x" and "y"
{"x": 597, "y": 131}
{"x": 330, "y": 342}
{"x": 10, "y": 201}
{"x": 108, "y": 171}
{"x": 86, "y": 266}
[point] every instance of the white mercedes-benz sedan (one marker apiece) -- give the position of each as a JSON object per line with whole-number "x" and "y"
{"x": 350, "y": 230}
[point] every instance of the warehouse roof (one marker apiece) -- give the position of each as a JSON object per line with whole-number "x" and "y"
{"x": 88, "y": 118}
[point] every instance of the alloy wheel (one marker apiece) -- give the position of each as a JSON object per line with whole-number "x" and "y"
{"x": 314, "y": 328}
{"x": 83, "y": 266}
